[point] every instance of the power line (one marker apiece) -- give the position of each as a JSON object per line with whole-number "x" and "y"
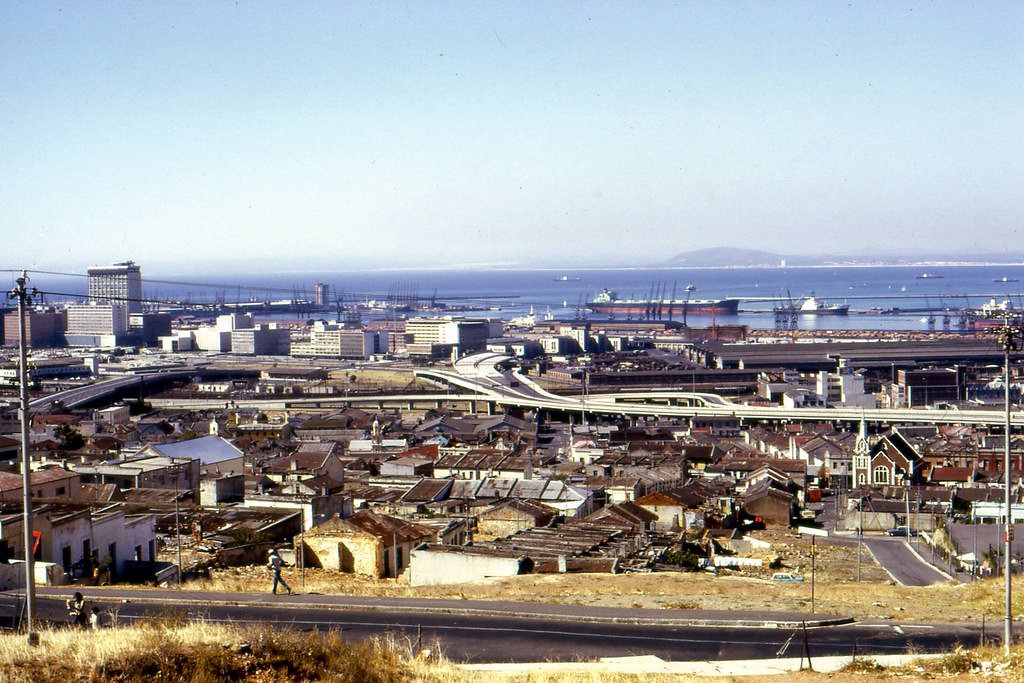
{"x": 478, "y": 298}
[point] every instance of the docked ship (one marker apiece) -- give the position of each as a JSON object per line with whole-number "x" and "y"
{"x": 811, "y": 306}
{"x": 609, "y": 303}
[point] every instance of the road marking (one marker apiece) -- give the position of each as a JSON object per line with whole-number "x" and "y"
{"x": 444, "y": 627}
{"x": 898, "y": 630}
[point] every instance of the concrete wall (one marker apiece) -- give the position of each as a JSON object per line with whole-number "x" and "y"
{"x": 12, "y": 576}
{"x": 226, "y": 489}
{"x": 502, "y": 522}
{"x": 669, "y": 516}
{"x": 431, "y": 567}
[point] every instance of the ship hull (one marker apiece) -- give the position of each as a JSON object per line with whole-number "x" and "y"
{"x": 824, "y": 310}
{"x": 665, "y": 309}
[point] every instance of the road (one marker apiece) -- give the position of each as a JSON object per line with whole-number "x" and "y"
{"x": 895, "y": 556}
{"x": 903, "y": 564}
{"x": 478, "y": 373}
{"x": 555, "y": 634}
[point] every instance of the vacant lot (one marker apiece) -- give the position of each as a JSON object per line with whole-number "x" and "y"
{"x": 837, "y": 592}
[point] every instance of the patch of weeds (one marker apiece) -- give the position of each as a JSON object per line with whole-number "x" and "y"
{"x": 683, "y": 604}
{"x": 862, "y": 666}
{"x": 958, "y": 661}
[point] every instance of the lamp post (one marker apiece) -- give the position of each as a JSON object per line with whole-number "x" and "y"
{"x": 1009, "y": 340}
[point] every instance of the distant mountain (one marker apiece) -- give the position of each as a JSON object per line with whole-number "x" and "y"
{"x": 726, "y": 257}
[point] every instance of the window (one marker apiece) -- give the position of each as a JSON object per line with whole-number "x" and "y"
{"x": 881, "y": 475}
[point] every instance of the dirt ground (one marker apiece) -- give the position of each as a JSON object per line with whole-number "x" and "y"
{"x": 836, "y": 589}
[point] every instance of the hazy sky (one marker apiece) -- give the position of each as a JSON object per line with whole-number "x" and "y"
{"x": 348, "y": 135}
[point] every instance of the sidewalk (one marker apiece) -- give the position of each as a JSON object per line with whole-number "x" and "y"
{"x": 649, "y": 664}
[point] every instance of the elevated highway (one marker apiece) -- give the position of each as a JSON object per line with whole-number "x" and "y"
{"x": 484, "y": 379}
{"x": 513, "y": 389}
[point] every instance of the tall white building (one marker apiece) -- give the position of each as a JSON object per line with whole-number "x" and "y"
{"x": 120, "y": 283}
{"x": 97, "y": 319}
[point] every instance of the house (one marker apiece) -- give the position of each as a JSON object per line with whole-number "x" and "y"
{"x": 668, "y": 509}
{"x": 307, "y": 461}
{"x": 772, "y": 505}
{"x": 366, "y": 543}
{"x": 78, "y": 538}
{"x": 627, "y": 515}
{"x": 511, "y": 516}
{"x": 47, "y": 483}
{"x": 215, "y": 455}
{"x": 317, "y": 499}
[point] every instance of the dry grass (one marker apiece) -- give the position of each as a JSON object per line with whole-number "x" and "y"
{"x": 204, "y": 653}
{"x": 369, "y": 378}
{"x": 837, "y": 592}
{"x": 208, "y": 653}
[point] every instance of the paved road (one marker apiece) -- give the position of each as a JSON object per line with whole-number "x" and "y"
{"x": 547, "y": 636}
{"x": 907, "y": 567}
{"x": 894, "y": 555}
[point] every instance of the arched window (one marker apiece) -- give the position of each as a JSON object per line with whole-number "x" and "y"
{"x": 881, "y": 475}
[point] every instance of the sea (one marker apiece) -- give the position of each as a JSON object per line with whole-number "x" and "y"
{"x": 914, "y": 298}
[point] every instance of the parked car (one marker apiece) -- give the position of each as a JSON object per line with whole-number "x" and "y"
{"x": 786, "y": 576}
{"x": 902, "y": 531}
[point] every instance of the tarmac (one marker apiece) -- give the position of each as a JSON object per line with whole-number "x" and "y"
{"x": 647, "y": 664}
{"x": 521, "y": 610}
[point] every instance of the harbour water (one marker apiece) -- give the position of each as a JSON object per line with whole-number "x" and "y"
{"x": 926, "y": 296}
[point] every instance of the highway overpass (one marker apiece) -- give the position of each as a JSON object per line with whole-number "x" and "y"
{"x": 480, "y": 380}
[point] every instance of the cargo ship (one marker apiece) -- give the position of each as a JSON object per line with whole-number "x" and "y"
{"x": 609, "y": 303}
{"x": 811, "y": 306}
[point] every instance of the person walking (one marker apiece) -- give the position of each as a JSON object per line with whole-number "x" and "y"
{"x": 275, "y": 564}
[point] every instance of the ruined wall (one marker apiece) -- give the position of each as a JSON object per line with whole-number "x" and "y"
{"x": 501, "y": 523}
{"x": 345, "y": 552}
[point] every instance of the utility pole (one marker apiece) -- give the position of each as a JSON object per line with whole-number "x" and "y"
{"x": 860, "y": 532}
{"x": 177, "y": 518}
{"x": 22, "y": 294}
{"x": 1009, "y": 340}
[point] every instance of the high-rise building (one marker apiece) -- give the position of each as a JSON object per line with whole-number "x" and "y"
{"x": 323, "y": 294}
{"x": 120, "y": 283}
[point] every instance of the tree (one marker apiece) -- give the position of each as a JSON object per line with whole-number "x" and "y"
{"x": 70, "y": 439}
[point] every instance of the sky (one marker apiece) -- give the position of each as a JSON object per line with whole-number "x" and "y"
{"x": 348, "y": 135}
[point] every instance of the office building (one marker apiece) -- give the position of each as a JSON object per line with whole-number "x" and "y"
{"x": 120, "y": 283}
{"x": 42, "y": 328}
{"x": 261, "y": 340}
{"x": 437, "y": 337}
{"x": 96, "y": 324}
{"x": 330, "y": 340}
